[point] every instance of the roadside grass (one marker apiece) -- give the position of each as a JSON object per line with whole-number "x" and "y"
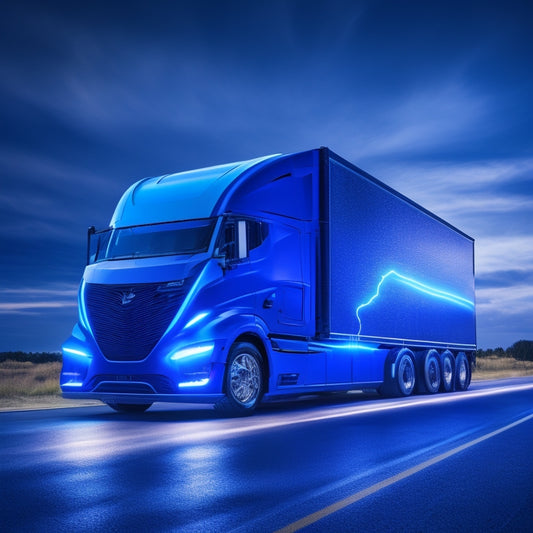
{"x": 24, "y": 378}
{"x": 495, "y": 367}
{"x": 26, "y": 384}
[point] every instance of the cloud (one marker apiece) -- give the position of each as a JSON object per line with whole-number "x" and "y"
{"x": 497, "y": 254}
{"x": 504, "y": 312}
{"x": 36, "y": 300}
{"x": 46, "y": 197}
{"x": 504, "y": 278}
{"x": 430, "y": 118}
{"x": 508, "y": 302}
{"x": 428, "y": 180}
{"x": 469, "y": 195}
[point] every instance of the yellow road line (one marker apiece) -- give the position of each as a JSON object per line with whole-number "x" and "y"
{"x": 341, "y": 504}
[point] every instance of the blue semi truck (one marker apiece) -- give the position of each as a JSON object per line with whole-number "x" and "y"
{"x": 286, "y": 274}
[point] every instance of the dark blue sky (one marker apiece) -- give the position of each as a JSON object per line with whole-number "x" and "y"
{"x": 434, "y": 98}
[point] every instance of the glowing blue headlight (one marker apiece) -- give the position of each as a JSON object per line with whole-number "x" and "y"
{"x": 204, "y": 349}
{"x": 196, "y": 319}
{"x": 76, "y": 352}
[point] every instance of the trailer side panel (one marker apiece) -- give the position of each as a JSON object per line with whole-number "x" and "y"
{"x": 398, "y": 274}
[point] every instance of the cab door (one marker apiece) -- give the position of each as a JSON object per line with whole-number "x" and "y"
{"x": 283, "y": 298}
{"x": 236, "y": 290}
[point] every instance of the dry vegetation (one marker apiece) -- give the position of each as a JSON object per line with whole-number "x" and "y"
{"x": 26, "y": 384}
{"x": 494, "y": 367}
{"x": 23, "y": 378}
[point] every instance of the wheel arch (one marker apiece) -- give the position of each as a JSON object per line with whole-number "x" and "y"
{"x": 256, "y": 340}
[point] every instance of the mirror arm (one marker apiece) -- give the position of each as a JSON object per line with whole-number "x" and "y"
{"x": 91, "y": 231}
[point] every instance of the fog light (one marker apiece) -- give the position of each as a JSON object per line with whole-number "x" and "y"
{"x": 196, "y": 383}
{"x": 74, "y": 379}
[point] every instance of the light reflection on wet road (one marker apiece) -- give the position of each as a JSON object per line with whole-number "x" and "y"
{"x": 180, "y": 468}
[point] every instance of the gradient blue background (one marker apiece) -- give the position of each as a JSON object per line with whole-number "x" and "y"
{"x": 434, "y": 98}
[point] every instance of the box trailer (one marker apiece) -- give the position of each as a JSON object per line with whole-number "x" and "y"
{"x": 286, "y": 274}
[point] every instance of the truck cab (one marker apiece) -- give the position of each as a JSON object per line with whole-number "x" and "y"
{"x": 193, "y": 273}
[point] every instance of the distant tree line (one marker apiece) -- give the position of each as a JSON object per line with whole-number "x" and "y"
{"x": 521, "y": 351}
{"x": 33, "y": 357}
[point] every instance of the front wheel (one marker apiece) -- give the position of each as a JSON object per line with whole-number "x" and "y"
{"x": 244, "y": 380}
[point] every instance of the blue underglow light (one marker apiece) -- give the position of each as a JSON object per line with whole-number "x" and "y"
{"x": 195, "y": 350}
{"x": 76, "y": 352}
{"x": 197, "y": 383}
{"x": 195, "y": 320}
{"x": 420, "y": 287}
{"x": 355, "y": 346}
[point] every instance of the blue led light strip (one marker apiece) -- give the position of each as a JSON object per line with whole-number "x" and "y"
{"x": 420, "y": 287}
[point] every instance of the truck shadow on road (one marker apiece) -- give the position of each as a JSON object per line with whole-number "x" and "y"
{"x": 196, "y": 413}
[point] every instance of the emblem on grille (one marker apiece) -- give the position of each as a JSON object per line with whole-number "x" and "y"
{"x": 127, "y": 297}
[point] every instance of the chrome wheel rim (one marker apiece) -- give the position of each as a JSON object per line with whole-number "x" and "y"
{"x": 462, "y": 373}
{"x": 433, "y": 374}
{"x": 245, "y": 378}
{"x": 448, "y": 372}
{"x": 407, "y": 374}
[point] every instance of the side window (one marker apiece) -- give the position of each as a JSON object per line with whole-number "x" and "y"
{"x": 228, "y": 244}
{"x": 257, "y": 233}
{"x": 240, "y": 236}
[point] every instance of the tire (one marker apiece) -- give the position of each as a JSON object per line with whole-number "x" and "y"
{"x": 447, "y": 365}
{"x": 243, "y": 382}
{"x": 400, "y": 373}
{"x": 130, "y": 407}
{"x": 462, "y": 372}
{"x": 405, "y": 373}
{"x": 430, "y": 372}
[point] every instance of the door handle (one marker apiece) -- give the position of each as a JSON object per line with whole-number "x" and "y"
{"x": 269, "y": 301}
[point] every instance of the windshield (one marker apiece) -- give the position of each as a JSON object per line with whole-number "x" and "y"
{"x": 171, "y": 238}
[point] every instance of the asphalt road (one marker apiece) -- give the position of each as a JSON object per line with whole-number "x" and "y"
{"x": 455, "y": 462}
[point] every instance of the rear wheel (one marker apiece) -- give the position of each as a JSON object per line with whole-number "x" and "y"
{"x": 130, "y": 407}
{"x": 447, "y": 368}
{"x": 405, "y": 373}
{"x": 431, "y": 374}
{"x": 462, "y": 372}
{"x": 400, "y": 375}
{"x": 244, "y": 380}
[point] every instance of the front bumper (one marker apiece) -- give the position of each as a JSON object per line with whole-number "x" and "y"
{"x": 128, "y": 398}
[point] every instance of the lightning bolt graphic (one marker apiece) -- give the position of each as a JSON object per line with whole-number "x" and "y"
{"x": 416, "y": 285}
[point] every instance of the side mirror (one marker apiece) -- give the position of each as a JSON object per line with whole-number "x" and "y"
{"x": 222, "y": 259}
